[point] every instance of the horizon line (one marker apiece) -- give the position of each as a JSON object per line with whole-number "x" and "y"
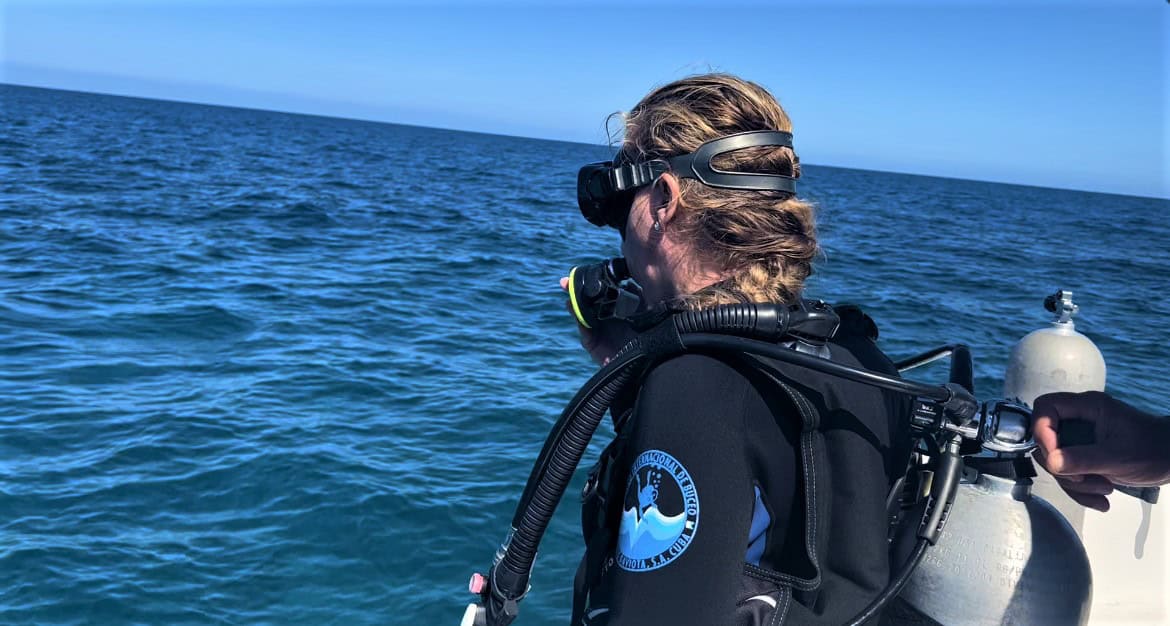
{"x": 581, "y": 143}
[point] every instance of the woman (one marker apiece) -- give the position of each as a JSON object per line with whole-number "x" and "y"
{"x": 736, "y": 491}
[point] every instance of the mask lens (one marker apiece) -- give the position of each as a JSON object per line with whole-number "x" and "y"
{"x": 592, "y": 190}
{"x": 618, "y": 210}
{"x": 599, "y": 202}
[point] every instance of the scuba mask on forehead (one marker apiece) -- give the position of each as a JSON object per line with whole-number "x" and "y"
{"x": 606, "y": 189}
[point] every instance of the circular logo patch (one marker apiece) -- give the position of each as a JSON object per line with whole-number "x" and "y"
{"x": 660, "y": 513}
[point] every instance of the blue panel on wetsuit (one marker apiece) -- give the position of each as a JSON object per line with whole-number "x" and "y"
{"x": 758, "y": 533}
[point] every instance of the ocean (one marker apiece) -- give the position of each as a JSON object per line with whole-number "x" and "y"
{"x": 265, "y": 368}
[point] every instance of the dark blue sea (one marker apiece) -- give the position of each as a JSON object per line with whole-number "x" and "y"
{"x": 262, "y": 368}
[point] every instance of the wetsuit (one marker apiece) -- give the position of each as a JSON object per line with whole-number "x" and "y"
{"x": 735, "y": 495}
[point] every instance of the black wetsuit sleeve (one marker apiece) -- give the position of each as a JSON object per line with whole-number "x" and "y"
{"x": 687, "y": 503}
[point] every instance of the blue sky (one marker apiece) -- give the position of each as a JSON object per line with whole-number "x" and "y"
{"x": 1069, "y": 93}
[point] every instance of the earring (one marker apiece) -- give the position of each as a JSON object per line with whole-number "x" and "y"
{"x": 657, "y": 226}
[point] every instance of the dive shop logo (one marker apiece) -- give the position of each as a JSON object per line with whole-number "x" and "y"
{"x": 660, "y": 513}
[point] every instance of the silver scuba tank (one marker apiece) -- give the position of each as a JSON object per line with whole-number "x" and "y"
{"x": 1056, "y": 358}
{"x": 1128, "y": 547}
{"x": 1007, "y": 556}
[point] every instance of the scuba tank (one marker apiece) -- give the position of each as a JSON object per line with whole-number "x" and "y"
{"x": 1128, "y": 547}
{"x": 1056, "y": 358}
{"x": 1048, "y": 360}
{"x": 1009, "y": 556}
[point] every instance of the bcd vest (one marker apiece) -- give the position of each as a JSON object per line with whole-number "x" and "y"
{"x": 854, "y": 443}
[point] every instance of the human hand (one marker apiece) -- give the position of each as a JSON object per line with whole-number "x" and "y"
{"x": 1130, "y": 447}
{"x": 604, "y": 339}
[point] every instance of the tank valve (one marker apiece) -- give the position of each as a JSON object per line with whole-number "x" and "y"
{"x": 1062, "y": 305}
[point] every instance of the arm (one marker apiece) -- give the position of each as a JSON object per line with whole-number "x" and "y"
{"x": 688, "y": 501}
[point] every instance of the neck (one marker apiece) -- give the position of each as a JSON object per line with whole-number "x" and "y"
{"x": 688, "y": 276}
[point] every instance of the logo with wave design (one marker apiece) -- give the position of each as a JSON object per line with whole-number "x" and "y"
{"x": 660, "y": 513}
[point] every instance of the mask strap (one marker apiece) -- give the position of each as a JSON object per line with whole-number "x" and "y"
{"x": 636, "y": 175}
{"x": 697, "y": 165}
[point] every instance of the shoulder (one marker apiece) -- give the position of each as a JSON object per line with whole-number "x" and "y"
{"x": 694, "y": 373}
{"x": 693, "y": 408}
{"x": 693, "y": 389}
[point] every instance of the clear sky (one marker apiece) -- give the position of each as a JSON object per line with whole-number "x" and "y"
{"x": 1060, "y": 93}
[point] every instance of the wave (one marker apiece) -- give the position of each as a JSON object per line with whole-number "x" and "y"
{"x": 653, "y": 533}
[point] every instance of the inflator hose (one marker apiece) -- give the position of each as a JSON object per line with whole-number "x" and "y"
{"x": 780, "y": 353}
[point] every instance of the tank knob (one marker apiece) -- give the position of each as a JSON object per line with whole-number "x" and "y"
{"x": 1062, "y": 305}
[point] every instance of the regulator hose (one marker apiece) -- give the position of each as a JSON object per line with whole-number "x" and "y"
{"x": 509, "y": 577}
{"x": 628, "y": 356}
{"x": 895, "y": 587}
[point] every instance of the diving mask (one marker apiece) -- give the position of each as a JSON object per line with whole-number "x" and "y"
{"x": 606, "y": 189}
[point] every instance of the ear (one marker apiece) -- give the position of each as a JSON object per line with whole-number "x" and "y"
{"x": 664, "y": 198}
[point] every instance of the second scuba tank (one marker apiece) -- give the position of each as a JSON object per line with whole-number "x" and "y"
{"x": 1048, "y": 360}
{"x": 1129, "y": 546}
{"x": 1057, "y": 358}
{"x": 1052, "y": 359}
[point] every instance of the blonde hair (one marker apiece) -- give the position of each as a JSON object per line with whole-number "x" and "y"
{"x": 764, "y": 241}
